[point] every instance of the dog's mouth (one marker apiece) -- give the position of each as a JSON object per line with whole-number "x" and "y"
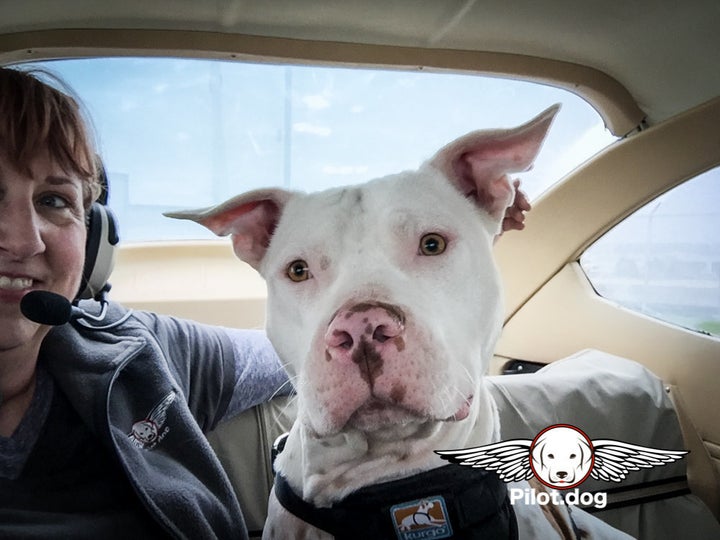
{"x": 564, "y": 481}
{"x": 376, "y": 414}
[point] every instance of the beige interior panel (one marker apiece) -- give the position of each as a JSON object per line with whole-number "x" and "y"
{"x": 203, "y": 281}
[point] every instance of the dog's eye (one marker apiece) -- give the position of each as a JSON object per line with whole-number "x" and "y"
{"x": 432, "y": 244}
{"x": 572, "y": 456}
{"x": 551, "y": 456}
{"x": 298, "y": 271}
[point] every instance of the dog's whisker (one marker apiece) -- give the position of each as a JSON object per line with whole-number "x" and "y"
{"x": 283, "y": 366}
{"x": 290, "y": 403}
{"x": 278, "y": 391}
{"x": 445, "y": 395}
{"x": 466, "y": 372}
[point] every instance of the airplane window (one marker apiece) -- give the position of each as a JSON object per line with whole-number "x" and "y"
{"x": 664, "y": 260}
{"x": 185, "y": 133}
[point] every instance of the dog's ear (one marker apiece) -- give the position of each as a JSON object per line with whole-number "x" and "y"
{"x": 478, "y": 163}
{"x": 250, "y": 218}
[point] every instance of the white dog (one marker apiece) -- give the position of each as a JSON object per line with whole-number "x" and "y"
{"x": 385, "y": 304}
{"x": 562, "y": 457}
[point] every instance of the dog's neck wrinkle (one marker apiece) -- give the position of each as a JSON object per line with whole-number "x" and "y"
{"x": 373, "y": 462}
{"x": 326, "y": 470}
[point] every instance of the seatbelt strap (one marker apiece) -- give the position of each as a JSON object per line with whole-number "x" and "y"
{"x": 635, "y": 494}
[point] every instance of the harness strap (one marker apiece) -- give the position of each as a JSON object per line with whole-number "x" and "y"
{"x": 641, "y": 493}
{"x": 457, "y": 502}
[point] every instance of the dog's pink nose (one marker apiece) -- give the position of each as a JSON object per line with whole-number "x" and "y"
{"x": 362, "y": 332}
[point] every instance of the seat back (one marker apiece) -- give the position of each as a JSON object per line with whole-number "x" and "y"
{"x": 608, "y": 397}
{"x": 244, "y": 445}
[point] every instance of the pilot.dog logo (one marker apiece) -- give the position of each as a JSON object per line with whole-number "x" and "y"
{"x": 146, "y": 433}
{"x": 562, "y": 457}
{"x": 424, "y": 518}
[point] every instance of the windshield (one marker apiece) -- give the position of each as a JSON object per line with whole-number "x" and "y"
{"x": 187, "y": 133}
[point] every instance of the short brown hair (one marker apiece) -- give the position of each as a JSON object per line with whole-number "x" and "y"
{"x": 37, "y": 110}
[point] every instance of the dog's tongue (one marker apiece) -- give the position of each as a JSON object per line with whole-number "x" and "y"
{"x": 463, "y": 412}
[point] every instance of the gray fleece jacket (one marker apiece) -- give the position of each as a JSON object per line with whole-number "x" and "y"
{"x": 149, "y": 386}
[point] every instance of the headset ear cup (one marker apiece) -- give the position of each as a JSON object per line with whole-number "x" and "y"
{"x": 100, "y": 247}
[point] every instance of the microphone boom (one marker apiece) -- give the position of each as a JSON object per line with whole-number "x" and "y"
{"x": 45, "y": 307}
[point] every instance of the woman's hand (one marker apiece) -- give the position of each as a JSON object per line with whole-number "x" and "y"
{"x": 515, "y": 214}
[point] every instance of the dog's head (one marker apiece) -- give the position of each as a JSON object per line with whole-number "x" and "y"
{"x": 562, "y": 457}
{"x": 383, "y": 299}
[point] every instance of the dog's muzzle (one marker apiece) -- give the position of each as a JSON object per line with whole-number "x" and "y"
{"x": 364, "y": 334}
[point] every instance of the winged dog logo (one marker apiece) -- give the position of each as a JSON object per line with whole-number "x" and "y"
{"x": 146, "y": 433}
{"x": 562, "y": 457}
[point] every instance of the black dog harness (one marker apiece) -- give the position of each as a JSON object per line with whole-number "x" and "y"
{"x": 448, "y": 502}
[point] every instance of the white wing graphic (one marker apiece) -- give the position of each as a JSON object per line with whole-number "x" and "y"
{"x": 614, "y": 459}
{"x": 510, "y": 459}
{"x": 158, "y": 414}
{"x": 145, "y": 432}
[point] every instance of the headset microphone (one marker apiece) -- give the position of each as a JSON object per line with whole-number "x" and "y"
{"x": 49, "y": 308}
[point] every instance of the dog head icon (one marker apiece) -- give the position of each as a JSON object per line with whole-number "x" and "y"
{"x": 561, "y": 456}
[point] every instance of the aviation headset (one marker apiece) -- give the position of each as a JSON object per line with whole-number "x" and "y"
{"x": 100, "y": 247}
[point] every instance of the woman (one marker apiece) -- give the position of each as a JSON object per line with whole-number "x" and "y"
{"x": 101, "y": 429}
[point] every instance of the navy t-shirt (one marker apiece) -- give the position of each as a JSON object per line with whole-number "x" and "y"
{"x": 70, "y": 486}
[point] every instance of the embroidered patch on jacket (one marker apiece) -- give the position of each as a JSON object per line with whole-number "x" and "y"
{"x": 147, "y": 433}
{"x": 424, "y": 518}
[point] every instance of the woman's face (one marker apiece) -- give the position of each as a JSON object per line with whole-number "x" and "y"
{"x": 42, "y": 241}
